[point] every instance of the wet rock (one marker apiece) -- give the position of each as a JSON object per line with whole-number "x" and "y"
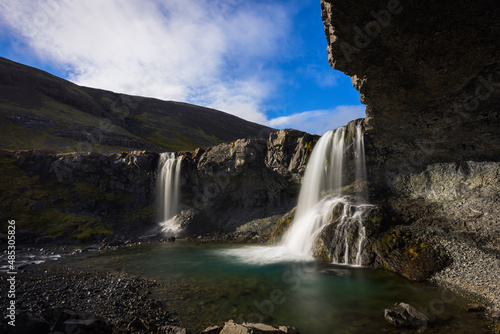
{"x": 405, "y": 315}
{"x": 359, "y": 230}
{"x": 231, "y": 327}
{"x": 172, "y": 330}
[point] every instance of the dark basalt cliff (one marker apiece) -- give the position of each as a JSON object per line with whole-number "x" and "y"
{"x": 88, "y": 197}
{"x": 229, "y": 185}
{"x": 429, "y": 75}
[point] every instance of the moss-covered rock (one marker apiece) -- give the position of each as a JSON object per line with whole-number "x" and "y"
{"x": 402, "y": 251}
{"x": 77, "y": 197}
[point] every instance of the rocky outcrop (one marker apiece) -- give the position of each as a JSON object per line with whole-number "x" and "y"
{"x": 429, "y": 75}
{"x": 414, "y": 255}
{"x": 247, "y": 181}
{"x": 350, "y": 232}
{"x": 405, "y": 315}
{"x": 231, "y": 327}
{"x": 79, "y": 196}
{"x": 89, "y": 196}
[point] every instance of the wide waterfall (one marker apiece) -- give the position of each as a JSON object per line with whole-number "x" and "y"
{"x": 322, "y": 196}
{"x": 168, "y": 192}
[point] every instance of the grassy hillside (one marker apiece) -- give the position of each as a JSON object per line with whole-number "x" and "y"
{"x": 39, "y": 110}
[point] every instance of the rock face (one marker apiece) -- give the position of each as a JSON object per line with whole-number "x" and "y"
{"x": 330, "y": 245}
{"x": 228, "y": 185}
{"x": 80, "y": 196}
{"x": 90, "y": 196}
{"x": 429, "y": 75}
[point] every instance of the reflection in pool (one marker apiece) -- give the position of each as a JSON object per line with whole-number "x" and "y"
{"x": 264, "y": 284}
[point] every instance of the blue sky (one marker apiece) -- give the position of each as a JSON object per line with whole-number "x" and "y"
{"x": 262, "y": 60}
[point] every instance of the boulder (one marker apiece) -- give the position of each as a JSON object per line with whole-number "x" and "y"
{"x": 405, "y": 315}
{"x": 231, "y": 327}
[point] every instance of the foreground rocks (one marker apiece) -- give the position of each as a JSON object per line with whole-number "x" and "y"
{"x": 247, "y": 328}
{"x": 405, "y": 315}
{"x": 69, "y": 321}
{"x": 89, "y": 301}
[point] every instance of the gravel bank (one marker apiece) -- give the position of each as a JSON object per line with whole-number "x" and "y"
{"x": 121, "y": 300}
{"x": 473, "y": 273}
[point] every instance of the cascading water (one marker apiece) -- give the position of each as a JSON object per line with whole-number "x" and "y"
{"x": 168, "y": 192}
{"x": 360, "y": 162}
{"x": 321, "y": 196}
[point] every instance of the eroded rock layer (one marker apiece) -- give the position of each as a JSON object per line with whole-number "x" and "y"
{"x": 83, "y": 197}
{"x": 429, "y": 75}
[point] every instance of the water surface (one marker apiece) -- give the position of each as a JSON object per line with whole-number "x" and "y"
{"x": 216, "y": 283}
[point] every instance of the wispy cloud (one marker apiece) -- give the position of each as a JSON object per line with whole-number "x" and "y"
{"x": 319, "y": 121}
{"x": 195, "y": 51}
{"x": 221, "y": 54}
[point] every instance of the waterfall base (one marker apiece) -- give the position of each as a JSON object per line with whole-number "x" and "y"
{"x": 171, "y": 227}
{"x": 344, "y": 238}
{"x": 335, "y": 230}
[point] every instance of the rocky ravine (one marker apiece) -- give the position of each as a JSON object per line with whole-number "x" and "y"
{"x": 88, "y": 197}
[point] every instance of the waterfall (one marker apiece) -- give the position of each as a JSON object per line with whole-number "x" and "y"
{"x": 360, "y": 162}
{"x": 322, "y": 192}
{"x": 168, "y": 191}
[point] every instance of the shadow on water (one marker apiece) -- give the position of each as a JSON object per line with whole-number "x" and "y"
{"x": 215, "y": 283}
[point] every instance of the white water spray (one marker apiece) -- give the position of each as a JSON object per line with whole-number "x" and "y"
{"x": 321, "y": 193}
{"x": 360, "y": 162}
{"x": 168, "y": 191}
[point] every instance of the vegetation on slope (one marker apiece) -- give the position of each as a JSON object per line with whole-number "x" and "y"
{"x": 39, "y": 110}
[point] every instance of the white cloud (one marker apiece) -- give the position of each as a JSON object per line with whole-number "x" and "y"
{"x": 319, "y": 121}
{"x": 196, "y": 51}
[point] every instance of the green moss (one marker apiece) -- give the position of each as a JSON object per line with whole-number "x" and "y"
{"x": 282, "y": 225}
{"x": 59, "y": 222}
{"x": 90, "y": 228}
{"x": 147, "y": 213}
{"x": 413, "y": 252}
{"x": 86, "y": 190}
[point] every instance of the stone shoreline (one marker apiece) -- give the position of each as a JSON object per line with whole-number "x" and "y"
{"x": 473, "y": 272}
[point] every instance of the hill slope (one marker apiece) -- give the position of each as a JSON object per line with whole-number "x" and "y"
{"x": 39, "y": 110}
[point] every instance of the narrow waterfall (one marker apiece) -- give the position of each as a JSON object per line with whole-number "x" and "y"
{"x": 321, "y": 198}
{"x": 360, "y": 163}
{"x": 168, "y": 191}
